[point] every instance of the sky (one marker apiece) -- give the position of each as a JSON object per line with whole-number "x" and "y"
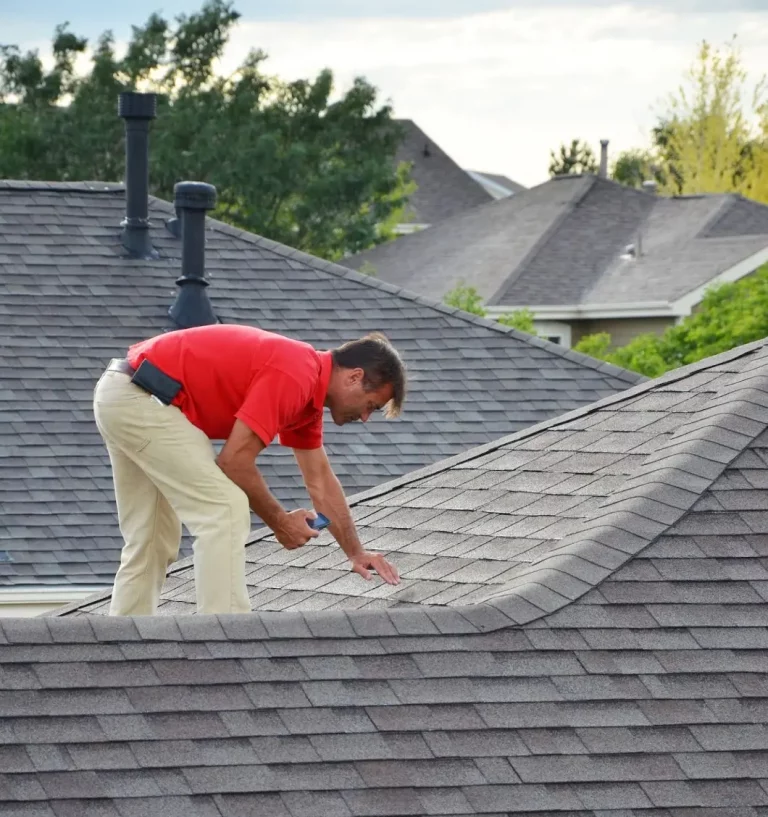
{"x": 496, "y": 83}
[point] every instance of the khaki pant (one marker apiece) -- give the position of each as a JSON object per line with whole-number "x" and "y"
{"x": 165, "y": 475}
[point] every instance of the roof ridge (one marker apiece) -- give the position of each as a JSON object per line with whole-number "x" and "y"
{"x": 63, "y": 187}
{"x": 485, "y": 448}
{"x": 576, "y": 198}
{"x": 726, "y": 202}
{"x": 606, "y": 543}
{"x": 343, "y": 272}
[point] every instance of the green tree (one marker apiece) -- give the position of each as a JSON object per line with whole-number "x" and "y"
{"x": 635, "y": 166}
{"x": 466, "y": 298}
{"x": 707, "y": 133}
{"x": 469, "y": 299}
{"x": 572, "y": 159}
{"x": 520, "y": 319}
{"x": 729, "y": 315}
{"x": 288, "y": 162}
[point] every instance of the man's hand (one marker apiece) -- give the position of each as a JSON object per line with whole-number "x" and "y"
{"x": 292, "y": 530}
{"x": 364, "y": 562}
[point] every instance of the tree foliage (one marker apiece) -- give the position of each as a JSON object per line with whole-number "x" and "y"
{"x": 468, "y": 299}
{"x": 711, "y": 136}
{"x": 288, "y": 162}
{"x": 708, "y": 137}
{"x": 572, "y": 159}
{"x": 729, "y": 315}
{"x": 520, "y": 319}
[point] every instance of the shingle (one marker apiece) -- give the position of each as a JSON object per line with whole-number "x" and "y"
{"x": 609, "y": 796}
{"x": 582, "y": 713}
{"x": 597, "y": 768}
{"x": 319, "y": 720}
{"x": 522, "y": 797}
{"x": 383, "y": 802}
{"x": 265, "y": 805}
{"x": 704, "y": 792}
{"x": 178, "y": 806}
{"x": 283, "y": 748}
{"x": 417, "y": 717}
{"x": 314, "y": 804}
{"x": 436, "y": 772}
{"x": 675, "y": 711}
{"x": 489, "y": 742}
{"x": 552, "y": 741}
{"x": 442, "y": 801}
{"x": 731, "y": 737}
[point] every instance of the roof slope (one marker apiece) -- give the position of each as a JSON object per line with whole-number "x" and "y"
{"x": 69, "y": 302}
{"x": 482, "y": 247}
{"x": 684, "y": 244}
{"x": 444, "y": 189}
{"x": 514, "y": 528}
{"x": 623, "y": 673}
{"x": 562, "y": 243}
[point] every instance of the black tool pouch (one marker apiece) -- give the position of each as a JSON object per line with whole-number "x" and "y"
{"x": 156, "y": 382}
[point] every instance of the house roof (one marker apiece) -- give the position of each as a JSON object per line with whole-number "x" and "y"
{"x": 70, "y": 301}
{"x": 444, "y": 189}
{"x": 603, "y": 650}
{"x": 497, "y": 179}
{"x": 560, "y": 244}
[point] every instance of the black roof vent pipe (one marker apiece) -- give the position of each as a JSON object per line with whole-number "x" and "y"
{"x": 137, "y": 110}
{"x": 192, "y": 306}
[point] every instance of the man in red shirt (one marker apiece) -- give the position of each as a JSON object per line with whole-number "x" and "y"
{"x": 158, "y": 410}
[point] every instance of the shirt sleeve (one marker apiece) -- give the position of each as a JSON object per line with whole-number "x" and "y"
{"x": 273, "y": 401}
{"x": 309, "y": 435}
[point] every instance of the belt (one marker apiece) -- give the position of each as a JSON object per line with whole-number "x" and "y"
{"x": 121, "y": 365}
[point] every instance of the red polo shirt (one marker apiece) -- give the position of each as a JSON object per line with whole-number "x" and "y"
{"x": 274, "y": 384}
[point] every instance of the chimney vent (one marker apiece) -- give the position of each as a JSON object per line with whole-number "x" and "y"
{"x": 603, "y": 159}
{"x": 192, "y": 306}
{"x": 137, "y": 110}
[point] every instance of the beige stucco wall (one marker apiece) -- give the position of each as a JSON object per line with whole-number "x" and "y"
{"x": 621, "y": 330}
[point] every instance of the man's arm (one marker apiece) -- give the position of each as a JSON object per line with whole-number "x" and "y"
{"x": 328, "y": 497}
{"x": 238, "y": 461}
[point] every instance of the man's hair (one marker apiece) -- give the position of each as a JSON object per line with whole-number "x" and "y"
{"x": 378, "y": 358}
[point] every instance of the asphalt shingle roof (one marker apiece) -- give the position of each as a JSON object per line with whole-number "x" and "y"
{"x": 444, "y": 189}
{"x": 561, "y": 243}
{"x": 618, "y": 668}
{"x": 70, "y": 301}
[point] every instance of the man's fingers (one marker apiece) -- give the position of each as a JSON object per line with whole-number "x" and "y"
{"x": 385, "y": 570}
{"x": 362, "y": 571}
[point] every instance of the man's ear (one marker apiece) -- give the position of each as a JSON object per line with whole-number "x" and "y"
{"x": 355, "y": 376}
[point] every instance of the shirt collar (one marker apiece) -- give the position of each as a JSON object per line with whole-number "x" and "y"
{"x": 321, "y": 390}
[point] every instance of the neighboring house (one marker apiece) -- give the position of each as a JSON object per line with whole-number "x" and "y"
{"x": 498, "y": 186}
{"x": 585, "y": 254}
{"x": 443, "y": 188}
{"x": 71, "y": 298}
{"x": 581, "y": 630}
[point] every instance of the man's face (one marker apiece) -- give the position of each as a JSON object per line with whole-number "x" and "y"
{"x": 350, "y": 401}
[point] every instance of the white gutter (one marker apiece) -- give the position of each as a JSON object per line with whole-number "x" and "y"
{"x": 48, "y": 594}
{"x": 648, "y": 309}
{"x": 31, "y": 601}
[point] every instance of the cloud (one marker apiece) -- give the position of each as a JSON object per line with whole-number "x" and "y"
{"x": 498, "y": 90}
